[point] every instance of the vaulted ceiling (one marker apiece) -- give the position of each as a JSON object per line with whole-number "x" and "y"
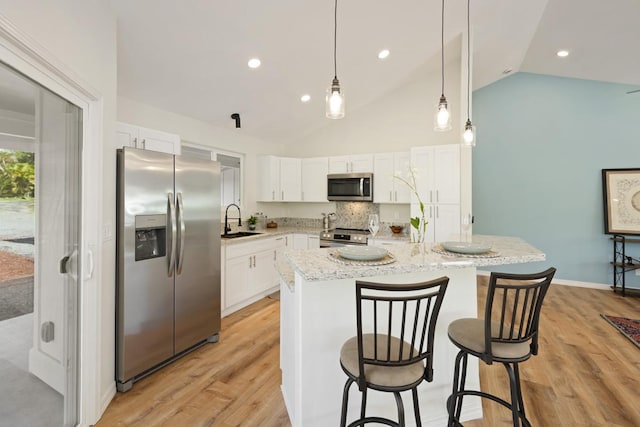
{"x": 190, "y": 57}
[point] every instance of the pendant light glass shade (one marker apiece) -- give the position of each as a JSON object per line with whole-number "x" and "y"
{"x": 442, "y": 118}
{"x": 469, "y": 134}
{"x": 335, "y": 95}
{"x": 335, "y": 101}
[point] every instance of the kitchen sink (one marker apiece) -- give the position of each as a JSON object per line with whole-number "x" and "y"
{"x": 239, "y": 234}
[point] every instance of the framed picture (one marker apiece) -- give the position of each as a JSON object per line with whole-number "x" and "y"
{"x": 621, "y": 191}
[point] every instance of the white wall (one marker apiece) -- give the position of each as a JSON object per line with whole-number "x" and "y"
{"x": 196, "y": 131}
{"x": 82, "y": 35}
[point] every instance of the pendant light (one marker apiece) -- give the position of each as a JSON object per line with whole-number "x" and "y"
{"x": 468, "y": 136}
{"x": 443, "y": 118}
{"x": 335, "y": 95}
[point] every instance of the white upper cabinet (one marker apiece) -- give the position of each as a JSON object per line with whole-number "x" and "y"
{"x": 387, "y": 188}
{"x": 437, "y": 172}
{"x": 314, "y": 179}
{"x": 279, "y": 179}
{"x": 146, "y": 139}
{"x": 353, "y": 163}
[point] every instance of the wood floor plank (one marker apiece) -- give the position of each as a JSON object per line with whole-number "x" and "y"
{"x": 586, "y": 374}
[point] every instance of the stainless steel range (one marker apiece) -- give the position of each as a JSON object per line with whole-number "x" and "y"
{"x": 343, "y": 237}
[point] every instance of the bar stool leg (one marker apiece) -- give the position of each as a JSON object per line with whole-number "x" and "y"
{"x": 516, "y": 369}
{"x": 345, "y": 401}
{"x": 416, "y": 407}
{"x": 363, "y": 404}
{"x": 517, "y": 405}
{"x": 452, "y": 402}
{"x": 400, "y": 408}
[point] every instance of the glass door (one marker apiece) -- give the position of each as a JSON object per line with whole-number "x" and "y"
{"x": 48, "y": 128}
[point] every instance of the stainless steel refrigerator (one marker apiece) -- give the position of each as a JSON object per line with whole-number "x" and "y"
{"x": 168, "y": 259}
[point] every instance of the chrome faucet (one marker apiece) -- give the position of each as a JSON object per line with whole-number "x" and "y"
{"x": 227, "y": 227}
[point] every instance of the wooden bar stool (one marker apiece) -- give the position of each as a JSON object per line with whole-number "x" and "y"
{"x": 508, "y": 334}
{"x": 393, "y": 348}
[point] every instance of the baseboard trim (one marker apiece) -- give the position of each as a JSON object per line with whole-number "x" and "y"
{"x": 107, "y": 397}
{"x": 565, "y": 282}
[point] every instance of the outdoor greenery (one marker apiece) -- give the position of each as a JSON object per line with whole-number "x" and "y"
{"x": 17, "y": 177}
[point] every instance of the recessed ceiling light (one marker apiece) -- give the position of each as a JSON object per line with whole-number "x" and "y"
{"x": 305, "y": 98}
{"x": 254, "y": 63}
{"x": 562, "y": 53}
{"x": 383, "y": 53}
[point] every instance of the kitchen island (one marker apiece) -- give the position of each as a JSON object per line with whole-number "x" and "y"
{"x": 318, "y": 315}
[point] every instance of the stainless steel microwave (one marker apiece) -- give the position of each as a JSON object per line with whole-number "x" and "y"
{"x": 352, "y": 187}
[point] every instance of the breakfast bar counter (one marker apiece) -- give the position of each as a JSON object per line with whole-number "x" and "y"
{"x": 318, "y": 315}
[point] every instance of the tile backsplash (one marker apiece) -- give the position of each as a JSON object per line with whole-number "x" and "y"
{"x": 354, "y": 214}
{"x": 348, "y": 215}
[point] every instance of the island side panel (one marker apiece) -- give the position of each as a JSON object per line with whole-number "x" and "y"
{"x": 326, "y": 318}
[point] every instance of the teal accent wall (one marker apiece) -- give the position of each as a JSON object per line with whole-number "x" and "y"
{"x": 542, "y": 142}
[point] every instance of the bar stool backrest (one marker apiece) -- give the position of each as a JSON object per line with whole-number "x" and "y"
{"x": 512, "y": 310}
{"x": 401, "y": 321}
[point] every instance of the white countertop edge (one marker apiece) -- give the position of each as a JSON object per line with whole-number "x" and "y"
{"x": 315, "y": 265}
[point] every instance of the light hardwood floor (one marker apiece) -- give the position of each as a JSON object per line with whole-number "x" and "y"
{"x": 586, "y": 374}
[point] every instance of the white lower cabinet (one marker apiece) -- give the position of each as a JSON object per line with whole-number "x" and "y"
{"x": 249, "y": 272}
{"x": 313, "y": 242}
{"x": 302, "y": 241}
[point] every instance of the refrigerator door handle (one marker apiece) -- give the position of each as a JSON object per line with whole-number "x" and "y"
{"x": 172, "y": 246}
{"x": 181, "y": 233}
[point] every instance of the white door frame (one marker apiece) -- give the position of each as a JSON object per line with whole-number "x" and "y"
{"x": 21, "y": 52}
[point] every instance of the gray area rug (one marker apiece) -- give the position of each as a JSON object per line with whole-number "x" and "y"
{"x": 16, "y": 297}
{"x": 27, "y": 401}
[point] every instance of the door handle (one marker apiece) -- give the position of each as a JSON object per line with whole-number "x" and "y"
{"x": 172, "y": 246}
{"x": 64, "y": 264}
{"x": 69, "y": 264}
{"x": 181, "y": 233}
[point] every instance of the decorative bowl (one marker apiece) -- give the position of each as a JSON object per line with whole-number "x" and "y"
{"x": 396, "y": 228}
{"x": 471, "y": 248}
{"x": 362, "y": 253}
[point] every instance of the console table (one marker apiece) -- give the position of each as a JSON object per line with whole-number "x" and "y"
{"x": 622, "y": 263}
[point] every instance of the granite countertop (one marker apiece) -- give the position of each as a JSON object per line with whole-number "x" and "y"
{"x": 317, "y": 264}
{"x": 271, "y": 232}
